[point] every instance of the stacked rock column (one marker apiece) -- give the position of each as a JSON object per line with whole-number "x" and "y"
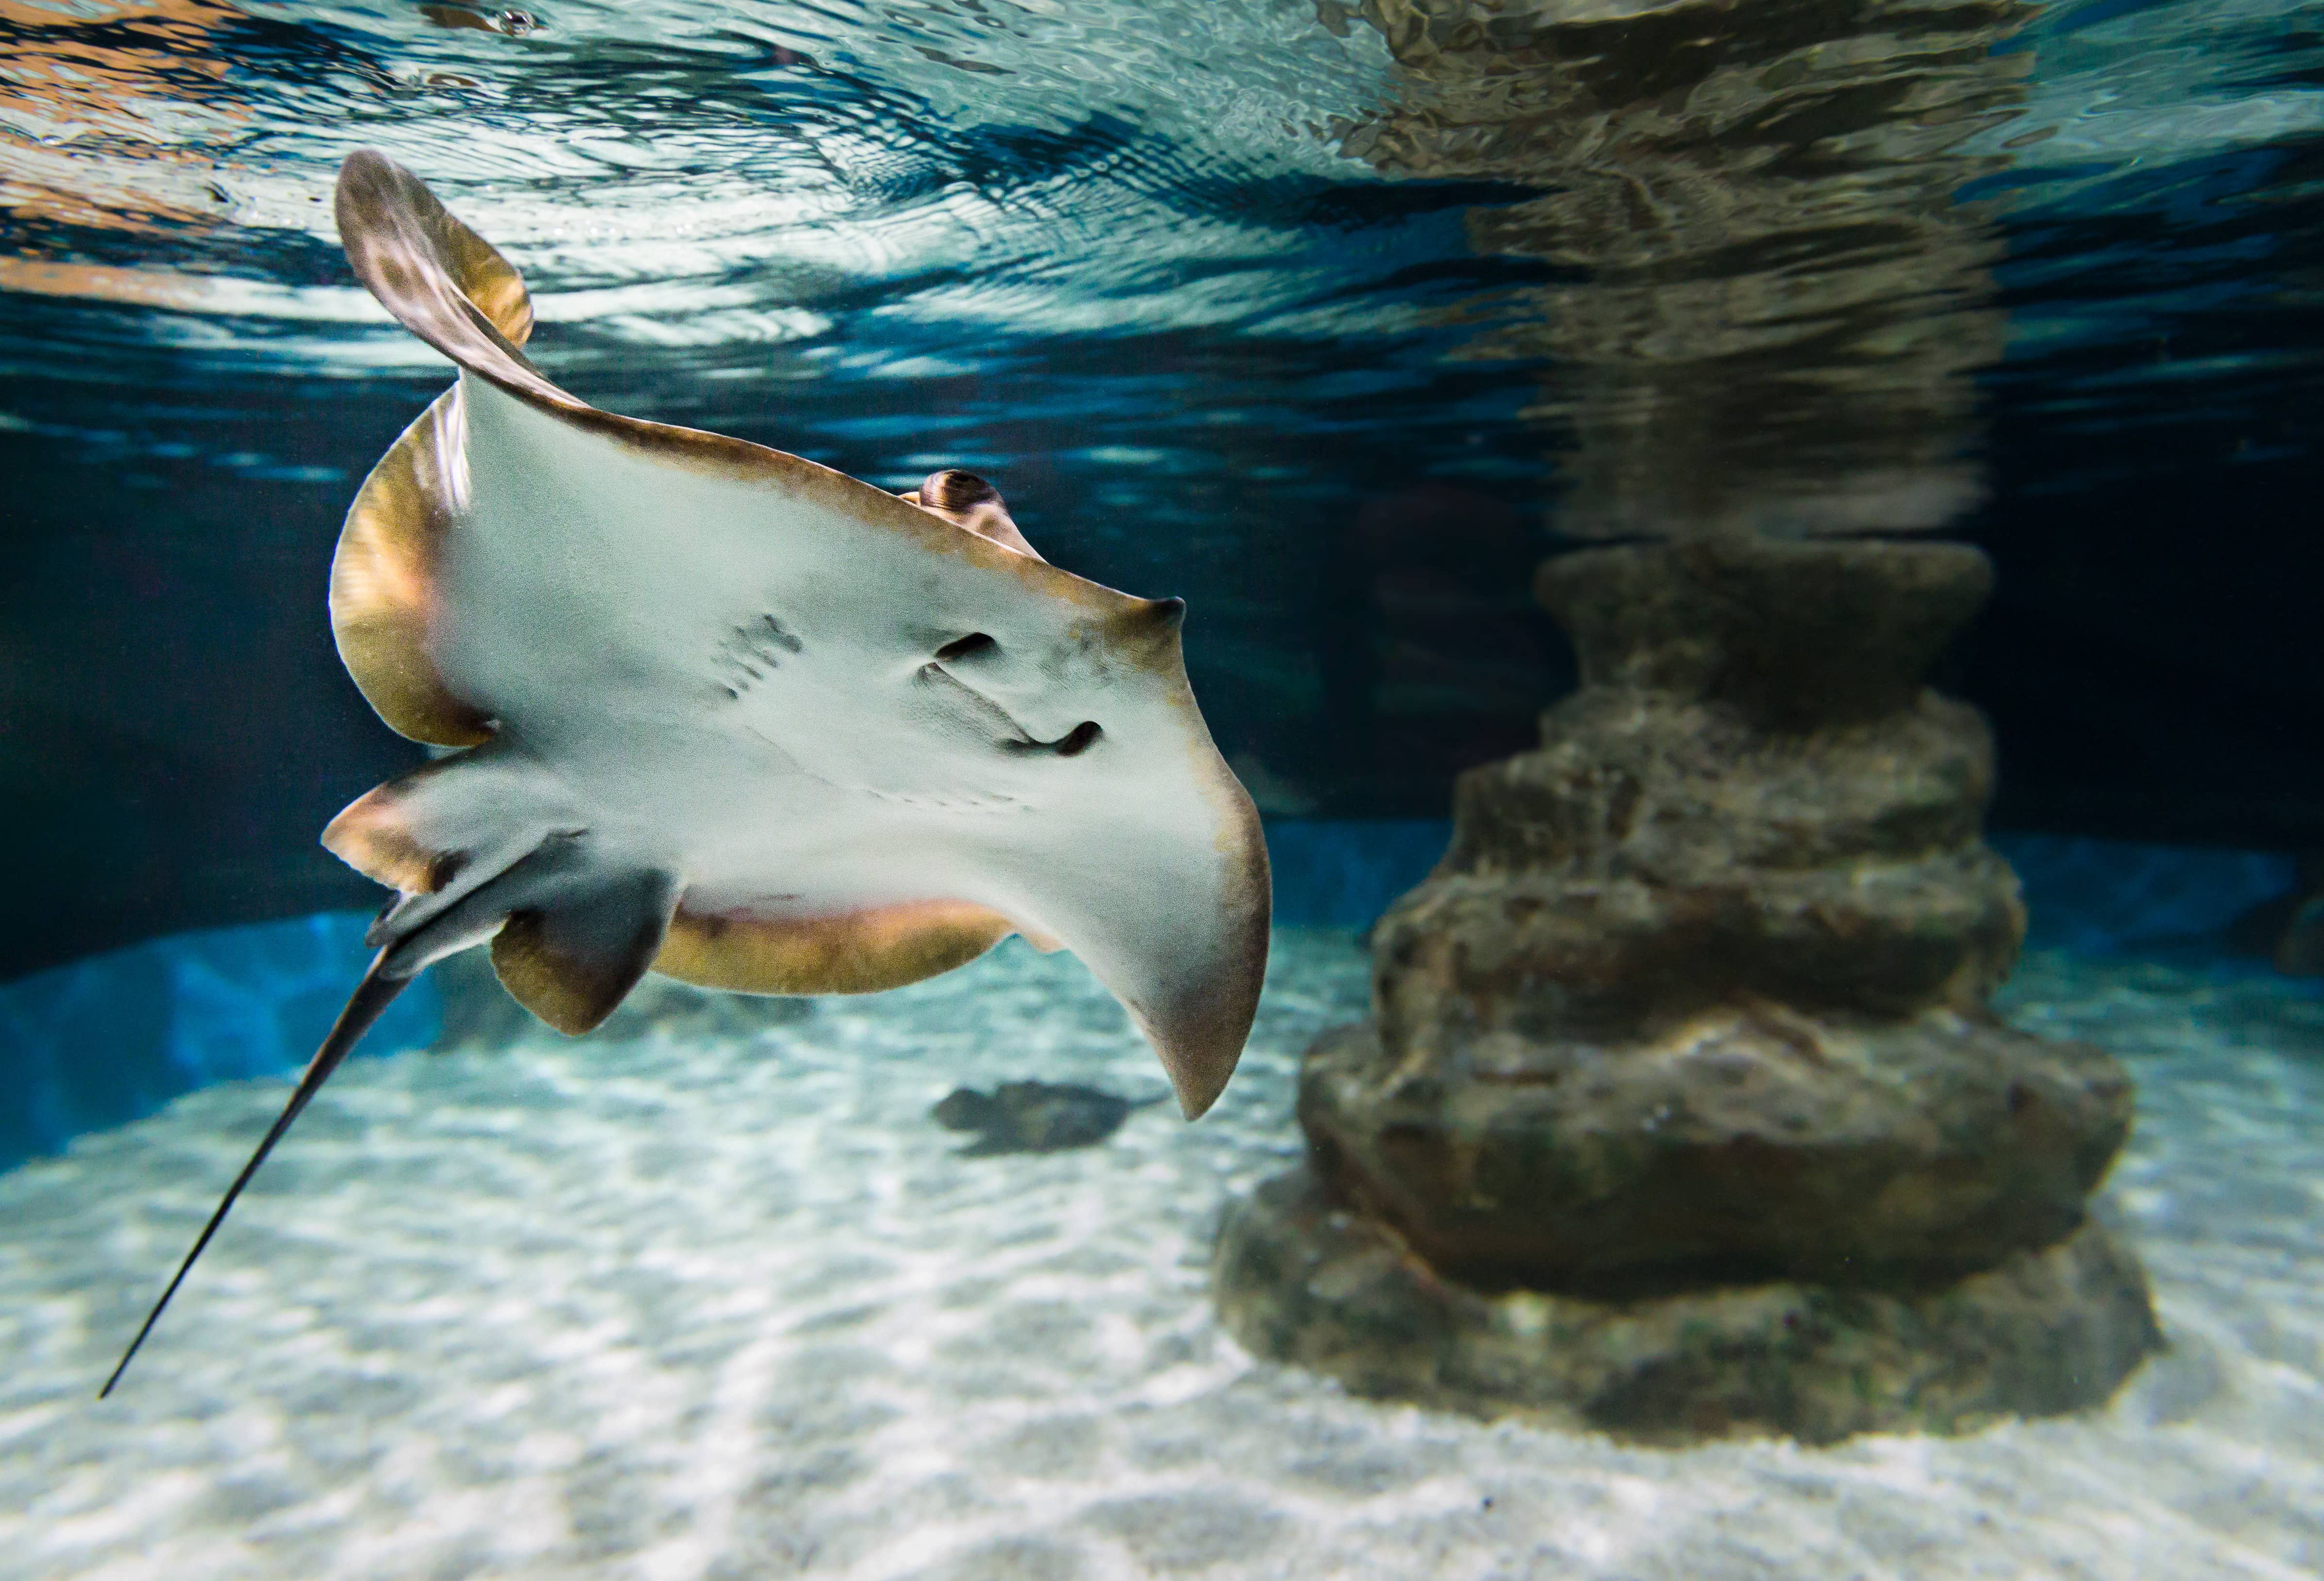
{"x": 1681, "y": 1110}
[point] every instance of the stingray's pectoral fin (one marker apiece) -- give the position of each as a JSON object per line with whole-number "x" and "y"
{"x": 442, "y": 280}
{"x": 1195, "y": 1009}
{"x": 1177, "y": 929}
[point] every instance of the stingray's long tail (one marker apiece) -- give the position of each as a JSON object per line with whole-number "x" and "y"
{"x": 481, "y": 847}
{"x": 374, "y": 994}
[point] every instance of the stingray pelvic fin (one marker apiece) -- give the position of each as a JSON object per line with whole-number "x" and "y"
{"x": 485, "y": 845}
{"x": 392, "y": 835}
{"x": 575, "y": 957}
{"x": 372, "y": 997}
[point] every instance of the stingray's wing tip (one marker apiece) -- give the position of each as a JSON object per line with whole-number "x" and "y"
{"x": 439, "y": 279}
{"x": 1194, "y": 1102}
{"x": 1200, "y": 1067}
{"x": 1198, "y": 1012}
{"x": 1200, "y": 1036}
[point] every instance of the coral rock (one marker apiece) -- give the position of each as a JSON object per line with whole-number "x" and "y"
{"x": 1300, "y": 1278}
{"x": 1750, "y": 1143}
{"x": 1686, "y": 1042}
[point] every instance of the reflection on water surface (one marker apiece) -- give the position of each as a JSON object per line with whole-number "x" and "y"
{"x": 1326, "y": 317}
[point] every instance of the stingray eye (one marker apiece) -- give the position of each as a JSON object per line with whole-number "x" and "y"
{"x": 954, "y": 490}
{"x": 965, "y": 647}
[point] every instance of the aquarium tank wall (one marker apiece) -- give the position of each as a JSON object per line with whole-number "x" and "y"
{"x": 1072, "y": 789}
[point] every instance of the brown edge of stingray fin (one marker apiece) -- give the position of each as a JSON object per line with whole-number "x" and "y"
{"x": 572, "y": 962}
{"x": 383, "y": 581}
{"x": 1195, "y": 1004}
{"x": 442, "y": 280}
{"x": 372, "y": 995}
{"x": 377, "y": 835}
{"x": 450, "y": 287}
{"x": 852, "y": 952}
{"x": 1199, "y": 1032}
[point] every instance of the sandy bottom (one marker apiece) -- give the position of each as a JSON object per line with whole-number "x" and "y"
{"x": 671, "y": 1306}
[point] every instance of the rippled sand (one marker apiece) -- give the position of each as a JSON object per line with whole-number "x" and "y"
{"x": 669, "y": 1307}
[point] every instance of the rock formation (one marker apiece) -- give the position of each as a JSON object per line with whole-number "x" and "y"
{"x": 1681, "y": 1110}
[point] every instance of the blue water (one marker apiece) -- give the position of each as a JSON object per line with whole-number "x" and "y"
{"x": 1334, "y": 318}
{"x": 1202, "y": 288}
{"x": 115, "y": 1037}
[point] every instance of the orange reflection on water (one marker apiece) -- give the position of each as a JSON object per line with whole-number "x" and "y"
{"x": 107, "y": 283}
{"x": 109, "y": 114}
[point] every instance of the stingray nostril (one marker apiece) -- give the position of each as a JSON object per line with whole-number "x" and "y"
{"x": 962, "y": 647}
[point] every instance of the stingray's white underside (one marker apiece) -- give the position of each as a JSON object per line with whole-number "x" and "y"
{"x": 739, "y": 685}
{"x": 731, "y": 714}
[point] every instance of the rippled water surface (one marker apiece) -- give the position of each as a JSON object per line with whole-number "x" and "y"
{"x": 940, "y": 197}
{"x": 1322, "y": 315}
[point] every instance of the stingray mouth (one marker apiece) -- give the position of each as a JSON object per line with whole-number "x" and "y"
{"x": 994, "y": 720}
{"x": 1072, "y": 743}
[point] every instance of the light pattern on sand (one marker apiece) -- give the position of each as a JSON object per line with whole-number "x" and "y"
{"x": 688, "y": 1308}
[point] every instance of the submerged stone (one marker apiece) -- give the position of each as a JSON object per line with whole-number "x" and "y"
{"x": 1299, "y": 1279}
{"x": 1751, "y": 1141}
{"x": 1682, "y": 1107}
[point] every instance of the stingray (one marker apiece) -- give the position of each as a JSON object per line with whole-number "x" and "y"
{"x": 721, "y": 713}
{"x": 1034, "y": 1116}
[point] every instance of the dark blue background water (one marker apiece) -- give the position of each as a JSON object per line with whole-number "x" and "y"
{"x": 1123, "y": 262}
